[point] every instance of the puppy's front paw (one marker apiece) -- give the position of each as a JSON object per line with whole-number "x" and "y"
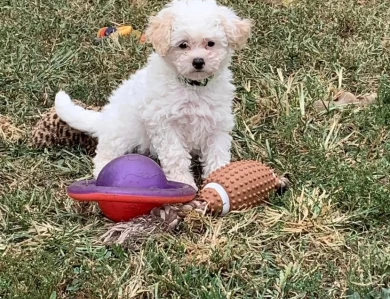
{"x": 209, "y": 169}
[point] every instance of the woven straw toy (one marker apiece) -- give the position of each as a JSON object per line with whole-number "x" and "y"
{"x": 236, "y": 186}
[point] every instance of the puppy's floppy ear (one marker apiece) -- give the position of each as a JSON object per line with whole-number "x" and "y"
{"x": 158, "y": 31}
{"x": 236, "y": 29}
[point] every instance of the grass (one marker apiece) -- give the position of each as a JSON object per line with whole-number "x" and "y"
{"x": 327, "y": 237}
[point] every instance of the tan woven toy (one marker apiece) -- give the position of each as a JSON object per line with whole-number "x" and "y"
{"x": 236, "y": 186}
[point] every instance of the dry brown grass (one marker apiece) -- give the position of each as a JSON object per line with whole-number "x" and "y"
{"x": 9, "y": 131}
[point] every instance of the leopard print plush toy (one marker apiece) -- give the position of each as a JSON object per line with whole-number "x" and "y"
{"x": 51, "y": 131}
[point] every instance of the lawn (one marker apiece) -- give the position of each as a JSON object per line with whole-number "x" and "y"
{"x": 327, "y": 237}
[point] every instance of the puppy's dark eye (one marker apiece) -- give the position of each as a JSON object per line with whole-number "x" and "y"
{"x": 183, "y": 46}
{"x": 210, "y": 44}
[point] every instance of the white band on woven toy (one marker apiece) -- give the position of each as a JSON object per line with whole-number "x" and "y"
{"x": 224, "y": 196}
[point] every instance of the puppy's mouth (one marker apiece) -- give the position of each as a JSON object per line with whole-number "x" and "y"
{"x": 201, "y": 73}
{"x": 198, "y": 74}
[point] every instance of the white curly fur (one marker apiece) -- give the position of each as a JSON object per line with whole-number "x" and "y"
{"x": 154, "y": 111}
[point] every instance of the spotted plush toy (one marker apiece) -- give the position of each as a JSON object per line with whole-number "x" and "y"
{"x": 51, "y": 131}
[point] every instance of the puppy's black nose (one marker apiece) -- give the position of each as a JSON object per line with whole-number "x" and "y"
{"x": 198, "y": 63}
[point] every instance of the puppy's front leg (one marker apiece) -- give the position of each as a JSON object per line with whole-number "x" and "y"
{"x": 215, "y": 152}
{"x": 175, "y": 159}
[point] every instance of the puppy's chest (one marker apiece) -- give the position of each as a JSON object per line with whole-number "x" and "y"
{"x": 193, "y": 114}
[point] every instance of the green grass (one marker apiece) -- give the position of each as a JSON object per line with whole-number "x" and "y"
{"x": 327, "y": 237}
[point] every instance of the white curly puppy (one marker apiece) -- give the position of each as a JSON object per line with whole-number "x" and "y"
{"x": 181, "y": 102}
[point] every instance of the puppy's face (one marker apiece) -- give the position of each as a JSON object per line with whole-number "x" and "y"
{"x": 197, "y": 37}
{"x": 198, "y": 55}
